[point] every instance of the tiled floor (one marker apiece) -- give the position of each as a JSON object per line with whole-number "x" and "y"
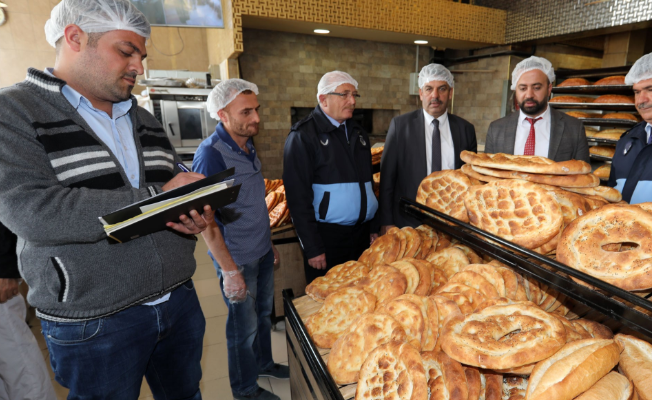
{"x": 215, "y": 379}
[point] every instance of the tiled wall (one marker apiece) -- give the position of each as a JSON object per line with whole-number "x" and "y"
{"x": 287, "y": 68}
{"x": 535, "y": 19}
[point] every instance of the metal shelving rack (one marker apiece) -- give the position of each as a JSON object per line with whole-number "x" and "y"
{"x": 310, "y": 379}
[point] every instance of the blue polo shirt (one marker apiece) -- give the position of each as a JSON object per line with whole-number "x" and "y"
{"x": 245, "y": 223}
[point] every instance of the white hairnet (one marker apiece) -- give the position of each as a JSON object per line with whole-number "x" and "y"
{"x": 530, "y": 64}
{"x": 225, "y": 92}
{"x": 95, "y": 16}
{"x": 331, "y": 80}
{"x": 640, "y": 71}
{"x": 435, "y": 72}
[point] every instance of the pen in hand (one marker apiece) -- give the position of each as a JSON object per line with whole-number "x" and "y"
{"x": 182, "y": 167}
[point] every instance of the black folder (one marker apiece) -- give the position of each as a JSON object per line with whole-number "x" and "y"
{"x": 156, "y": 221}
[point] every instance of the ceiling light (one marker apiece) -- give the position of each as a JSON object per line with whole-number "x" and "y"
{"x": 322, "y": 31}
{"x": 421, "y": 41}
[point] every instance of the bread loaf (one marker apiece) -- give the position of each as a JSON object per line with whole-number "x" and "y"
{"x": 570, "y": 99}
{"x": 614, "y": 99}
{"x": 603, "y": 151}
{"x": 611, "y": 80}
{"x": 574, "y": 82}
{"x": 573, "y": 369}
{"x": 603, "y": 171}
{"x": 613, "y": 386}
{"x": 636, "y": 363}
{"x": 627, "y": 116}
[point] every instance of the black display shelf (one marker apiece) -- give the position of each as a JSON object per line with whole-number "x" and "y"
{"x": 620, "y": 123}
{"x": 309, "y": 376}
{"x": 600, "y": 158}
{"x": 594, "y": 73}
{"x": 608, "y": 300}
{"x": 595, "y": 106}
{"x": 601, "y": 141}
{"x": 594, "y": 89}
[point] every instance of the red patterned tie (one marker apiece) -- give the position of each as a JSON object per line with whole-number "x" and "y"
{"x": 530, "y": 144}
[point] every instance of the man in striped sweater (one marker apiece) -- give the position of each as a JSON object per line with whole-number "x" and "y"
{"x": 74, "y": 145}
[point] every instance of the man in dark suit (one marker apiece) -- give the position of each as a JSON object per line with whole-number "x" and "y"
{"x": 537, "y": 129}
{"x": 421, "y": 142}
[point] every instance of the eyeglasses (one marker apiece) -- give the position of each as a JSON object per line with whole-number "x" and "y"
{"x": 345, "y": 94}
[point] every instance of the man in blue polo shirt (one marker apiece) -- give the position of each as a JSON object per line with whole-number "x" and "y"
{"x": 240, "y": 239}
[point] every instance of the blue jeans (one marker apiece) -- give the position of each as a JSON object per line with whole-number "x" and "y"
{"x": 106, "y": 358}
{"x": 249, "y": 325}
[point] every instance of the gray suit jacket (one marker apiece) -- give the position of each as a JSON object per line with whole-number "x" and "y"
{"x": 403, "y": 165}
{"x": 567, "y": 137}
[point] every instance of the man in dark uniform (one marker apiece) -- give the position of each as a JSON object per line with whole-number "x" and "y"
{"x": 327, "y": 176}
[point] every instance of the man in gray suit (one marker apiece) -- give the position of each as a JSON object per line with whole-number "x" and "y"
{"x": 421, "y": 142}
{"x": 537, "y": 129}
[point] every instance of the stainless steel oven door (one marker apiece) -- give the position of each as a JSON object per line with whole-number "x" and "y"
{"x": 187, "y": 123}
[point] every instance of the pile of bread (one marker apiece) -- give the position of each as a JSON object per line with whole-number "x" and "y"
{"x": 617, "y": 115}
{"x": 277, "y": 206}
{"x": 376, "y": 154}
{"x": 551, "y": 208}
{"x": 604, "y": 99}
{"x": 419, "y": 317}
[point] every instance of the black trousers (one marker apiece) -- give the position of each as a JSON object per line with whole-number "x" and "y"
{"x": 343, "y": 243}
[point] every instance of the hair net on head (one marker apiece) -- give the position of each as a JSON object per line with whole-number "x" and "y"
{"x": 530, "y": 64}
{"x": 435, "y": 72}
{"x": 225, "y": 92}
{"x": 95, "y": 16}
{"x": 331, "y": 80}
{"x": 640, "y": 71}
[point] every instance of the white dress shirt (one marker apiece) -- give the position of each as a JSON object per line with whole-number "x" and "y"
{"x": 447, "y": 149}
{"x": 541, "y": 134}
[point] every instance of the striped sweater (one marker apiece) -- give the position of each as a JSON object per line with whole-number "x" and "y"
{"x": 56, "y": 178}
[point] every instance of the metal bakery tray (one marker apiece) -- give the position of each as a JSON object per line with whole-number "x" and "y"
{"x": 601, "y": 140}
{"x": 599, "y": 158}
{"x": 625, "y": 123}
{"x": 608, "y": 299}
{"x": 595, "y": 106}
{"x": 594, "y": 89}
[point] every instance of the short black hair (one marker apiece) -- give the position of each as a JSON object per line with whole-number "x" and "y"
{"x": 93, "y": 38}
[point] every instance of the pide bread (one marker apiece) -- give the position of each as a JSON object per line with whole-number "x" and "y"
{"x": 473, "y": 257}
{"x": 278, "y": 213}
{"x": 583, "y": 241}
{"x": 476, "y": 281}
{"x": 614, "y": 99}
{"x": 392, "y": 371}
{"x": 519, "y": 211}
{"x": 446, "y": 378}
{"x": 627, "y": 116}
{"x": 574, "y": 82}
{"x": 473, "y": 295}
{"x": 514, "y": 387}
{"x": 572, "y": 204}
{"x": 608, "y": 193}
{"x": 450, "y": 260}
{"x": 579, "y": 114}
{"x": 611, "y": 80}
{"x": 472, "y": 174}
{"x": 447, "y": 310}
{"x": 365, "y": 334}
{"x": 334, "y": 317}
{"x": 491, "y": 274}
{"x": 531, "y": 164}
{"x": 443, "y": 191}
{"x": 384, "y": 282}
{"x": 570, "y": 99}
{"x": 604, "y": 151}
{"x": 612, "y": 386}
{"x": 573, "y": 369}
{"x": 337, "y": 277}
{"x": 384, "y": 250}
{"x": 413, "y": 241}
{"x": 503, "y": 336}
{"x": 418, "y": 316}
{"x": 483, "y": 385}
{"x": 603, "y": 171}
{"x": 584, "y": 180}
{"x": 411, "y": 274}
{"x": 636, "y": 363}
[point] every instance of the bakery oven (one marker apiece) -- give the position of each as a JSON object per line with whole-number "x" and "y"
{"x": 182, "y": 113}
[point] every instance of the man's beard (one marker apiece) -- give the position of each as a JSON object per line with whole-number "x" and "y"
{"x": 242, "y": 130}
{"x": 535, "y": 109}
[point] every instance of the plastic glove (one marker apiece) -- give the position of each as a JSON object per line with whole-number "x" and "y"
{"x": 235, "y": 288}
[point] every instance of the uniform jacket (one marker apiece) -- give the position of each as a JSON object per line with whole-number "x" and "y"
{"x": 327, "y": 178}
{"x": 631, "y": 166}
